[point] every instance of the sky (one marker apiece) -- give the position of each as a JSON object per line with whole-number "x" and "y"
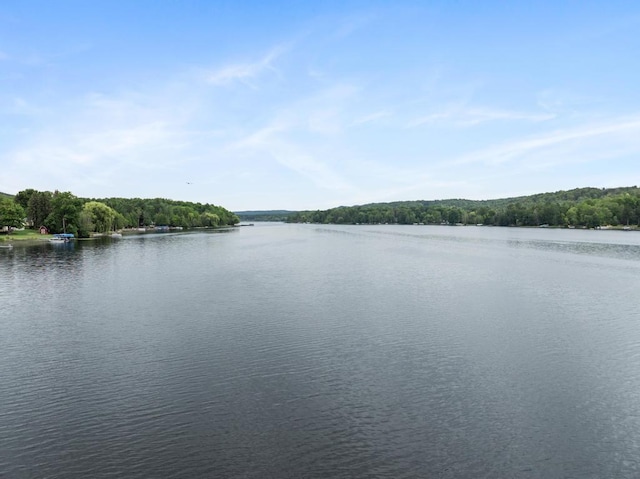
{"x": 312, "y": 105}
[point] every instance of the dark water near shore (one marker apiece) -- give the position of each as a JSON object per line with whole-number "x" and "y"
{"x": 293, "y": 351}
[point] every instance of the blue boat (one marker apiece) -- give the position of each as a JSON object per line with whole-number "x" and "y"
{"x": 62, "y": 238}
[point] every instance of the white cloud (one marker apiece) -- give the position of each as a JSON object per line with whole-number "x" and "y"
{"x": 273, "y": 141}
{"x": 546, "y": 162}
{"x": 20, "y": 106}
{"x": 557, "y": 101}
{"x": 371, "y": 117}
{"x": 100, "y": 142}
{"x": 324, "y": 112}
{"x": 277, "y": 141}
{"x": 352, "y": 24}
{"x": 306, "y": 165}
{"x": 246, "y": 72}
{"x": 458, "y": 115}
{"x": 316, "y": 135}
{"x": 579, "y": 135}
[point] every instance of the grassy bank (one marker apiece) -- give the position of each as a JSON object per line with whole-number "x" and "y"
{"x": 23, "y": 235}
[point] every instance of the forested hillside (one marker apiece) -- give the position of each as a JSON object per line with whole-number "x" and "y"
{"x": 266, "y": 215}
{"x": 63, "y": 211}
{"x": 137, "y": 212}
{"x": 584, "y": 207}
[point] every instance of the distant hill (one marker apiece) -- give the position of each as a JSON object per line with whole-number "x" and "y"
{"x": 6, "y": 195}
{"x": 577, "y": 195}
{"x": 585, "y": 207}
{"x": 265, "y": 215}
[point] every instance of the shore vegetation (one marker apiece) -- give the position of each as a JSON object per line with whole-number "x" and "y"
{"x": 63, "y": 212}
{"x": 582, "y": 207}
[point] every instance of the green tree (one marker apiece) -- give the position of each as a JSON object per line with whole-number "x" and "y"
{"x": 592, "y": 215}
{"x": 39, "y": 208}
{"x": 629, "y": 208}
{"x": 11, "y": 214}
{"x": 209, "y": 219}
{"x": 100, "y": 216}
{"x": 119, "y": 222}
{"x": 85, "y": 222}
{"x": 65, "y": 214}
{"x": 571, "y": 217}
{"x": 23, "y": 197}
{"x": 454, "y": 215}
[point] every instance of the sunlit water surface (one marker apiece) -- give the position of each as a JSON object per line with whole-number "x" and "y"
{"x": 293, "y": 351}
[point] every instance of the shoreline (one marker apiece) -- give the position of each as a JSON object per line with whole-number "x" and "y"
{"x": 35, "y": 238}
{"x": 31, "y": 237}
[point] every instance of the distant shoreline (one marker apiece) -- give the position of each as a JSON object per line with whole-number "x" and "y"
{"x": 36, "y": 238}
{"x": 33, "y": 237}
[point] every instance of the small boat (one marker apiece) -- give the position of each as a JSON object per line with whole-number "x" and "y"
{"x": 6, "y": 246}
{"x": 61, "y": 238}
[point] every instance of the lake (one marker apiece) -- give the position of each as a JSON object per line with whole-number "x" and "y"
{"x": 303, "y": 351}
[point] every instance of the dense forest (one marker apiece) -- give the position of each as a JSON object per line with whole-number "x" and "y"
{"x": 582, "y": 207}
{"x": 65, "y": 212}
{"x": 264, "y": 215}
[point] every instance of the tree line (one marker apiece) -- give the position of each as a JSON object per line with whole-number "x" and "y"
{"x": 264, "y": 215}
{"x": 581, "y": 207}
{"x": 64, "y": 212}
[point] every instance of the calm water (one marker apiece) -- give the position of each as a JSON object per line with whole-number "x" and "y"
{"x": 294, "y": 351}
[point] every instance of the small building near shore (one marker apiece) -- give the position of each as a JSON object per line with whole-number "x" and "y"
{"x": 43, "y": 230}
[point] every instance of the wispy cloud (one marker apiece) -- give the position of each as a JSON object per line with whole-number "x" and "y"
{"x": 371, "y": 117}
{"x": 352, "y": 24}
{"x": 20, "y": 106}
{"x": 357, "y": 104}
{"x": 559, "y": 101}
{"x": 246, "y": 72}
{"x": 463, "y": 116}
{"x": 554, "y": 160}
{"x": 273, "y": 141}
{"x": 580, "y": 136}
{"x": 326, "y": 111}
{"x": 102, "y": 140}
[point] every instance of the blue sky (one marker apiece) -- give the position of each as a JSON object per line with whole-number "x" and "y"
{"x": 305, "y": 105}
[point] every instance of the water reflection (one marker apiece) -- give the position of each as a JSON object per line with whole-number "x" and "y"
{"x": 306, "y": 351}
{"x": 609, "y": 250}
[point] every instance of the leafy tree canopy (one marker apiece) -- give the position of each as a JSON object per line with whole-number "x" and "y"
{"x": 63, "y": 211}
{"x": 11, "y": 213}
{"x": 101, "y": 218}
{"x": 584, "y": 207}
